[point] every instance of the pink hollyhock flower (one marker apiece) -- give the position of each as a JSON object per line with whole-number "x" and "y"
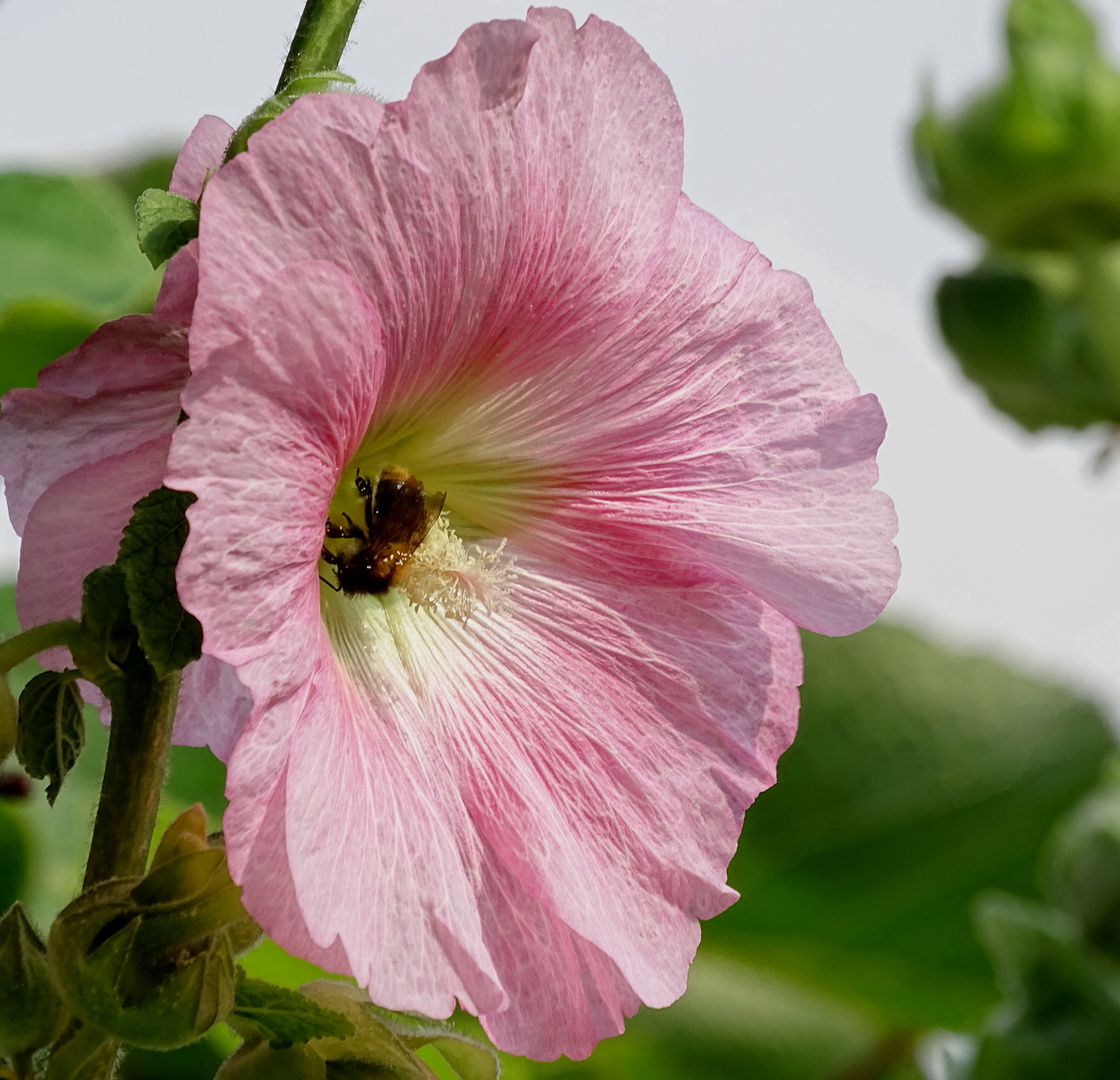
{"x": 93, "y": 436}
{"x": 504, "y": 759}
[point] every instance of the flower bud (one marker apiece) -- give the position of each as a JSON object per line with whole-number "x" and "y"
{"x": 261, "y": 1062}
{"x": 151, "y": 960}
{"x": 84, "y": 1053}
{"x": 31, "y": 1013}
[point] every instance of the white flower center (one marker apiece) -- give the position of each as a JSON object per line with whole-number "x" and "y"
{"x": 451, "y": 578}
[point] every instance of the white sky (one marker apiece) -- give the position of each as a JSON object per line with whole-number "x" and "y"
{"x": 796, "y": 115}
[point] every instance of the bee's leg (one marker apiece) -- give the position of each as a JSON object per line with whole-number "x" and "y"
{"x": 365, "y": 489}
{"x": 337, "y": 588}
{"x": 329, "y": 557}
{"x": 349, "y": 532}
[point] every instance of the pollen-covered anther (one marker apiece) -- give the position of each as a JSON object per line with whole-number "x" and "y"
{"x": 452, "y": 578}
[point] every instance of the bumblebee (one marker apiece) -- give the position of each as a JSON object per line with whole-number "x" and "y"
{"x": 398, "y": 515}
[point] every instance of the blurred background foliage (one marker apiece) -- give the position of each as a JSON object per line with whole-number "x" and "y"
{"x": 933, "y": 887}
{"x": 1032, "y": 166}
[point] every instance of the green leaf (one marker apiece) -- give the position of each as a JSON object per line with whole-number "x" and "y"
{"x": 284, "y": 1017}
{"x": 69, "y": 238}
{"x": 150, "y": 547}
{"x": 165, "y": 222}
{"x": 52, "y": 730}
{"x": 134, "y": 178}
{"x": 918, "y": 778}
{"x": 35, "y": 332}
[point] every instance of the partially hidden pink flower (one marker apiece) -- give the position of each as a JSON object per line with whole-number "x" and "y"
{"x": 516, "y": 776}
{"x": 92, "y": 438}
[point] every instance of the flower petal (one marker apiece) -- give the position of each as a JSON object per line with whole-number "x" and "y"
{"x": 179, "y": 289}
{"x": 202, "y": 154}
{"x": 118, "y": 390}
{"x": 464, "y": 207}
{"x": 565, "y": 994}
{"x": 269, "y": 432}
{"x": 715, "y": 434}
{"x": 75, "y": 527}
{"x": 213, "y": 707}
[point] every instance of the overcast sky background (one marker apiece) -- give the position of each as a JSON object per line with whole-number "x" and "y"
{"x": 796, "y": 119}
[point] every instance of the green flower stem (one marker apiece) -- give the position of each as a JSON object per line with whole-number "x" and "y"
{"x": 324, "y": 28}
{"x": 15, "y": 651}
{"x": 139, "y": 740}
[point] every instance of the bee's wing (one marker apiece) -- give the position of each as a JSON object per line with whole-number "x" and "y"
{"x": 433, "y": 507}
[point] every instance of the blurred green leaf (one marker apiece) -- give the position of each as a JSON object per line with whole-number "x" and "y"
{"x": 1062, "y": 1013}
{"x": 269, "y": 962}
{"x": 154, "y": 171}
{"x": 36, "y": 331}
{"x": 14, "y": 857}
{"x": 52, "y": 859}
{"x": 1083, "y": 865}
{"x": 199, "y": 1061}
{"x": 1034, "y": 162}
{"x": 71, "y": 238}
{"x": 69, "y": 261}
{"x": 195, "y": 775}
{"x": 1036, "y": 350}
{"x": 918, "y": 779}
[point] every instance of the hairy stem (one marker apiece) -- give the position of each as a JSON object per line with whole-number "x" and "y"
{"x": 324, "y": 28}
{"x": 139, "y": 740}
{"x": 16, "y": 650}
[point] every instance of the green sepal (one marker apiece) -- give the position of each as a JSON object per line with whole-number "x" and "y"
{"x": 258, "y": 1061}
{"x": 282, "y": 1017}
{"x": 150, "y": 960}
{"x": 108, "y": 636}
{"x": 1083, "y": 865}
{"x": 84, "y": 1054}
{"x": 320, "y": 83}
{"x": 381, "y": 1044}
{"x": 52, "y": 729}
{"x": 150, "y": 547}
{"x": 471, "y": 1059}
{"x": 165, "y": 222}
{"x": 1035, "y": 162}
{"x": 31, "y": 1012}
